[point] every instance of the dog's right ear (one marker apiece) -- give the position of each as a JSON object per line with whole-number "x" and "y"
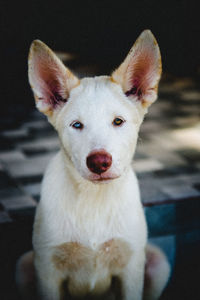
{"x": 50, "y": 80}
{"x": 140, "y": 72}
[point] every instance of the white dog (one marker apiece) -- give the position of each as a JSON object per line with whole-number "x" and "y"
{"x": 90, "y": 235}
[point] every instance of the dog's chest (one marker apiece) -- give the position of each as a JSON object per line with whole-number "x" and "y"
{"x": 107, "y": 260}
{"x": 112, "y": 255}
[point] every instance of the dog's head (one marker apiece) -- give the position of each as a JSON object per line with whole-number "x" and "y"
{"x": 98, "y": 118}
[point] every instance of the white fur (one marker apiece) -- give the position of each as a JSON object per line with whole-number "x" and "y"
{"x": 74, "y": 206}
{"x": 75, "y": 209}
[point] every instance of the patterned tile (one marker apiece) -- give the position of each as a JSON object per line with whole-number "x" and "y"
{"x": 11, "y": 156}
{"x": 15, "y": 134}
{"x": 146, "y": 165}
{"x": 40, "y": 144}
{"x": 30, "y": 167}
{"x": 32, "y": 189}
{"x": 18, "y": 204}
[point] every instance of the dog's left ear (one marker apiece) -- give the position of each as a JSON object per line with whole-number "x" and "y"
{"x": 50, "y": 80}
{"x": 140, "y": 72}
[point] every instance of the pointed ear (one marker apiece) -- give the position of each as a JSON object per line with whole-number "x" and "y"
{"x": 140, "y": 72}
{"x": 50, "y": 80}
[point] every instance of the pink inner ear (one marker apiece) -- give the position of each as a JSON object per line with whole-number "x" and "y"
{"x": 135, "y": 90}
{"x": 48, "y": 82}
{"x": 141, "y": 73}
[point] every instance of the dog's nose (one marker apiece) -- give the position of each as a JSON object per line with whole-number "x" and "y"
{"x": 99, "y": 162}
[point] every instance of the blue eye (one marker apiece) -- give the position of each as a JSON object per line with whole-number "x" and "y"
{"x": 77, "y": 125}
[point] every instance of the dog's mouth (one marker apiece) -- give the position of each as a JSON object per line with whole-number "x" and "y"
{"x": 102, "y": 179}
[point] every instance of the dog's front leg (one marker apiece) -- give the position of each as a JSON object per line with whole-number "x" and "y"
{"x": 49, "y": 281}
{"x": 133, "y": 277}
{"x": 48, "y": 290}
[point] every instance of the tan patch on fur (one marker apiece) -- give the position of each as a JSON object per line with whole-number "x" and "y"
{"x": 113, "y": 80}
{"x": 72, "y": 80}
{"x": 155, "y": 42}
{"x": 104, "y": 262}
{"x": 155, "y": 88}
{"x": 113, "y": 254}
{"x": 72, "y": 256}
{"x": 48, "y": 113}
{"x": 118, "y": 75}
{"x": 145, "y": 103}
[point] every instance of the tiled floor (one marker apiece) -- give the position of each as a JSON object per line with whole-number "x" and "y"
{"x": 167, "y": 163}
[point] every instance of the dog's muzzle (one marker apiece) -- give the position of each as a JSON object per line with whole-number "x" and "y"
{"x": 99, "y": 162}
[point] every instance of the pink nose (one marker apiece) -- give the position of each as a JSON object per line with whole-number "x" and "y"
{"x": 99, "y": 162}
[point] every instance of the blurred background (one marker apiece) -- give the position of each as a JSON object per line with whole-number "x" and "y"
{"x": 98, "y": 33}
{"x": 92, "y": 38}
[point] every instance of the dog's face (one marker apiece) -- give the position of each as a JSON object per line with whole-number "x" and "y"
{"x": 98, "y": 118}
{"x": 98, "y": 129}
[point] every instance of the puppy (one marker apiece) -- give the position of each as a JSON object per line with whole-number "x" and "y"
{"x": 90, "y": 235}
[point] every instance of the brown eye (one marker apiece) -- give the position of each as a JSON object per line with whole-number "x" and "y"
{"x": 77, "y": 125}
{"x": 118, "y": 121}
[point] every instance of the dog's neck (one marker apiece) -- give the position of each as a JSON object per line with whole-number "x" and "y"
{"x": 94, "y": 203}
